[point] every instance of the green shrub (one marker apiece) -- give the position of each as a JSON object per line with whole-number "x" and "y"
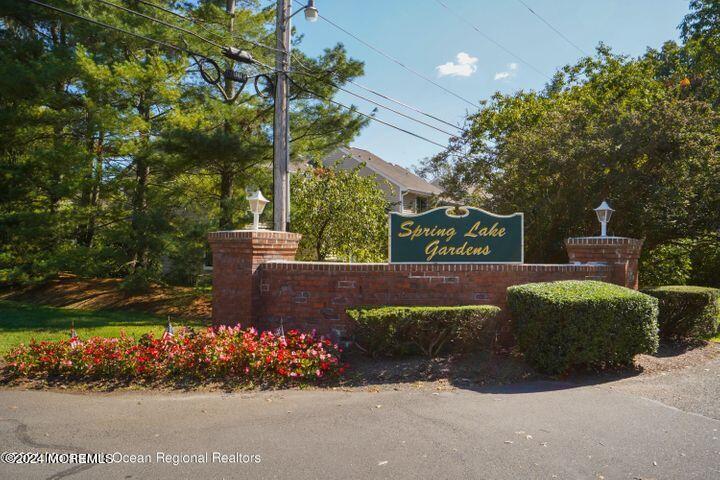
{"x": 562, "y": 325}
{"x": 684, "y": 261}
{"x": 687, "y": 312}
{"x": 668, "y": 263}
{"x": 706, "y": 261}
{"x": 407, "y": 330}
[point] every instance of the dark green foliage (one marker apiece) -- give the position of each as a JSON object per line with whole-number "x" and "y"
{"x": 687, "y": 312}
{"x": 666, "y": 264}
{"x": 683, "y": 261}
{"x": 640, "y": 132}
{"x": 569, "y": 324}
{"x": 409, "y": 330}
{"x": 116, "y": 159}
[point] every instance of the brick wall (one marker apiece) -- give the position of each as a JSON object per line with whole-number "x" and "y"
{"x": 236, "y": 258}
{"x": 256, "y": 280}
{"x": 623, "y": 254}
{"x": 316, "y": 295}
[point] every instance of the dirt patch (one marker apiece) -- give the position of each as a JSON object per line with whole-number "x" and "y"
{"x": 105, "y": 294}
{"x": 669, "y": 358}
{"x": 677, "y": 356}
{"x": 481, "y": 369}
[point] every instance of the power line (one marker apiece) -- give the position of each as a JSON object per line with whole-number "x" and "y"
{"x": 304, "y": 66}
{"x": 201, "y": 24}
{"x": 196, "y": 21}
{"x": 185, "y": 50}
{"x": 398, "y": 102}
{"x": 162, "y": 22}
{"x": 199, "y": 58}
{"x": 370, "y": 117}
{"x": 134, "y": 12}
{"x": 395, "y": 60}
{"x": 176, "y": 27}
{"x": 117, "y": 29}
{"x": 380, "y": 105}
{"x": 553, "y": 28}
{"x": 490, "y": 39}
{"x": 379, "y": 94}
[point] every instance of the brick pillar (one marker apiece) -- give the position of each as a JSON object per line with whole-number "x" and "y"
{"x": 236, "y": 257}
{"x": 619, "y": 252}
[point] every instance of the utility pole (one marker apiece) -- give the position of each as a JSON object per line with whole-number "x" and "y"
{"x": 226, "y": 175}
{"x": 281, "y": 136}
{"x": 230, "y": 10}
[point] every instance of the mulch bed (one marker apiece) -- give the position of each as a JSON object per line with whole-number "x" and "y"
{"x": 445, "y": 373}
{"x": 69, "y": 291}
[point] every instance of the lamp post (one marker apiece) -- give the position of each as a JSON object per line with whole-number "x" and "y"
{"x": 604, "y": 212}
{"x": 281, "y": 130}
{"x": 257, "y": 205}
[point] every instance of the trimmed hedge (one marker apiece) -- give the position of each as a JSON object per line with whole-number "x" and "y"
{"x": 568, "y": 324}
{"x": 427, "y": 330}
{"x": 687, "y": 312}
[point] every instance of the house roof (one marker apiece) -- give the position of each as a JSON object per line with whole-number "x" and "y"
{"x": 396, "y": 174}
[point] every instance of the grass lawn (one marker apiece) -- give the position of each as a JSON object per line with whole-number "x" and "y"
{"x": 21, "y": 322}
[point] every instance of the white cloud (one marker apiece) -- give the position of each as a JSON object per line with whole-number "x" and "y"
{"x": 464, "y": 66}
{"x": 509, "y": 73}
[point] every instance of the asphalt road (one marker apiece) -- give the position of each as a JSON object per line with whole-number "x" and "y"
{"x": 526, "y": 431}
{"x": 692, "y": 389}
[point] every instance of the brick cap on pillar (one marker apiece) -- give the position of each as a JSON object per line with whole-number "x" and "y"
{"x": 603, "y": 241}
{"x": 253, "y": 234}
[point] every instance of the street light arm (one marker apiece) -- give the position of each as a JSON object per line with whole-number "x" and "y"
{"x": 296, "y": 12}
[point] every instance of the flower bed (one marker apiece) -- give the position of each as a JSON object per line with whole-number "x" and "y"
{"x": 222, "y": 353}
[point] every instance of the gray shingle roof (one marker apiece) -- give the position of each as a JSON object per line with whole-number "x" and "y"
{"x": 404, "y": 178}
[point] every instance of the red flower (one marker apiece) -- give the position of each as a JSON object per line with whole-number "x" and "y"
{"x": 214, "y": 353}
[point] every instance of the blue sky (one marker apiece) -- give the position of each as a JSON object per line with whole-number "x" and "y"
{"x": 423, "y": 35}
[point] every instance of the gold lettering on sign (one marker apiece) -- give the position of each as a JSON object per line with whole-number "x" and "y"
{"x": 477, "y": 230}
{"x": 434, "y": 249}
{"x": 407, "y": 230}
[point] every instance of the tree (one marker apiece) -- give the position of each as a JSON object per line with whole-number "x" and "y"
{"x": 339, "y": 213}
{"x": 116, "y": 157}
{"x": 608, "y": 127}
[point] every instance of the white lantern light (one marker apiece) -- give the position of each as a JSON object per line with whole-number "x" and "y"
{"x": 311, "y": 13}
{"x": 604, "y": 212}
{"x": 257, "y": 205}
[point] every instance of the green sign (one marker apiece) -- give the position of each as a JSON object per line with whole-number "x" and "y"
{"x": 456, "y": 235}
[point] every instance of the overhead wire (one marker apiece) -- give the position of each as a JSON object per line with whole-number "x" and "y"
{"x": 380, "y": 105}
{"x": 365, "y": 115}
{"x": 395, "y": 60}
{"x": 117, "y": 29}
{"x": 490, "y": 39}
{"x": 398, "y": 102}
{"x": 161, "y": 22}
{"x": 191, "y": 52}
{"x": 199, "y": 58}
{"x": 552, "y": 27}
{"x": 379, "y": 94}
{"x": 200, "y": 24}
